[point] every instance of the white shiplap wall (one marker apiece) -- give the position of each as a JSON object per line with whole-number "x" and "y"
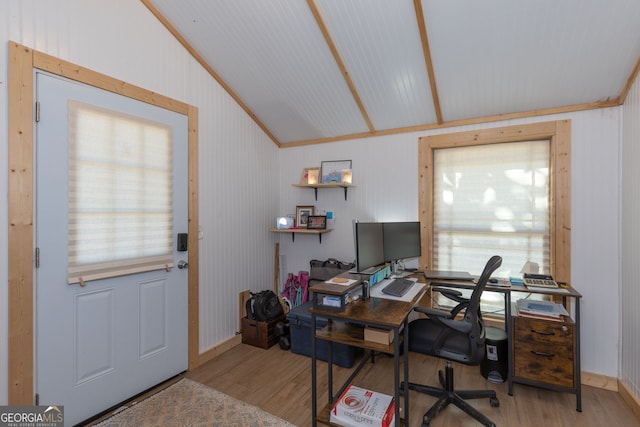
{"x": 238, "y": 163}
{"x": 242, "y": 188}
{"x": 630, "y": 244}
{"x": 385, "y": 171}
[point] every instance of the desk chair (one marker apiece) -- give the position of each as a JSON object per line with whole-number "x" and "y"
{"x": 455, "y": 339}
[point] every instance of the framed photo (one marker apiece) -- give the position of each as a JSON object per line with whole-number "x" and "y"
{"x": 310, "y": 175}
{"x": 317, "y": 222}
{"x": 284, "y": 222}
{"x": 332, "y": 171}
{"x": 302, "y": 215}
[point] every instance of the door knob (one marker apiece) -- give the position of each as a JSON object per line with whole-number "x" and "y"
{"x": 183, "y": 264}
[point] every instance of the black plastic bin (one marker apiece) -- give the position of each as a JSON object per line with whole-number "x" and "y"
{"x": 300, "y": 328}
{"x": 494, "y": 365}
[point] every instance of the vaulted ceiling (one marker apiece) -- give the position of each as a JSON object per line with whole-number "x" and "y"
{"x": 325, "y": 70}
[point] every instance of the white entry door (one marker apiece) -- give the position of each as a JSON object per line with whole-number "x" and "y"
{"x": 105, "y": 340}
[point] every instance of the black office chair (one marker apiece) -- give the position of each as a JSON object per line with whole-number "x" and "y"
{"x": 461, "y": 340}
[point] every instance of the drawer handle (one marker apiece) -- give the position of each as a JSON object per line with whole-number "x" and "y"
{"x": 539, "y": 353}
{"x": 542, "y": 332}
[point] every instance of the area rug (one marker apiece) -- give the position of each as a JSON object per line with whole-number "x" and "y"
{"x": 188, "y": 403}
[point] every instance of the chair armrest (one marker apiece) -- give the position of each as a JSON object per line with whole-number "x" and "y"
{"x": 445, "y": 318}
{"x": 452, "y": 294}
{"x": 433, "y": 312}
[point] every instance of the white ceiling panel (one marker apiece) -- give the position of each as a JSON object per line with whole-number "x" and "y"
{"x": 284, "y": 59}
{"x": 497, "y": 57}
{"x": 380, "y": 44}
{"x": 274, "y": 57}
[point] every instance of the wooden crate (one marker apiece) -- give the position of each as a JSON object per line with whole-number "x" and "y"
{"x": 260, "y": 334}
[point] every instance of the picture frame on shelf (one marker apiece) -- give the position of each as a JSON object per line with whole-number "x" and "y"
{"x": 317, "y": 222}
{"x": 284, "y": 222}
{"x": 302, "y": 215}
{"x": 334, "y": 171}
{"x": 310, "y": 175}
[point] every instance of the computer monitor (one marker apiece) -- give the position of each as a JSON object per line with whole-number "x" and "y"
{"x": 401, "y": 241}
{"x": 369, "y": 246}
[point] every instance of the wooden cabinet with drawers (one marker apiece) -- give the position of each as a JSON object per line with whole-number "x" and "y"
{"x": 544, "y": 352}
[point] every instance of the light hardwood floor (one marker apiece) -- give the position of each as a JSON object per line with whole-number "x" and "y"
{"x": 279, "y": 382}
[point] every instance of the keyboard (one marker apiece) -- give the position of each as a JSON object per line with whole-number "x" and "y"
{"x": 398, "y": 287}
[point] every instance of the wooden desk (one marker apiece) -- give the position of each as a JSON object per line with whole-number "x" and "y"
{"x": 376, "y": 312}
{"x": 567, "y": 335}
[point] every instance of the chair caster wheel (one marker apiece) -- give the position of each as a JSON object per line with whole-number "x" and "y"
{"x": 494, "y": 402}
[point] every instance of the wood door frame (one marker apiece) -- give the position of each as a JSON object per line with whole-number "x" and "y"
{"x": 22, "y": 63}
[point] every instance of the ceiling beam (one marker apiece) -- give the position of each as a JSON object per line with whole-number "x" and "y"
{"x": 209, "y": 69}
{"x": 422, "y": 27}
{"x": 463, "y": 122}
{"x": 340, "y": 62}
{"x": 630, "y": 80}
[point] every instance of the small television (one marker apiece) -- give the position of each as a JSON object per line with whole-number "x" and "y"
{"x": 401, "y": 241}
{"x": 368, "y": 239}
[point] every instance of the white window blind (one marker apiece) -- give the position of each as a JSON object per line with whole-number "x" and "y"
{"x": 120, "y": 194}
{"x": 491, "y": 199}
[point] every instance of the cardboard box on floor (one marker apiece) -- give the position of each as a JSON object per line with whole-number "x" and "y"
{"x": 361, "y": 407}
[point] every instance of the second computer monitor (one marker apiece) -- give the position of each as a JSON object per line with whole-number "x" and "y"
{"x": 401, "y": 240}
{"x": 368, "y": 245}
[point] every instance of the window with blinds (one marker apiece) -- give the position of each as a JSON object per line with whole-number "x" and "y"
{"x": 120, "y": 194}
{"x": 491, "y": 199}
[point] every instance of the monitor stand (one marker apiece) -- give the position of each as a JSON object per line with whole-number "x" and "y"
{"x": 396, "y": 272}
{"x": 402, "y": 273}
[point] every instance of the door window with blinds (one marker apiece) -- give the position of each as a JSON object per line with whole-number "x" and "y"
{"x": 120, "y": 194}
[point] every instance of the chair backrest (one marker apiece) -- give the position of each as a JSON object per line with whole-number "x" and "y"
{"x": 444, "y": 334}
{"x": 474, "y": 301}
{"x": 473, "y": 315}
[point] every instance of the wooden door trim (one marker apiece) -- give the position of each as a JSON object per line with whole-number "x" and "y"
{"x": 22, "y": 63}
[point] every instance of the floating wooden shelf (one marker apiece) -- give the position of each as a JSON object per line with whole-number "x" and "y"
{"x": 343, "y": 185}
{"x": 293, "y": 232}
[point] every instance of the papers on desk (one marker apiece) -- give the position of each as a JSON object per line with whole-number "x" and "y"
{"x": 376, "y": 290}
{"x": 541, "y": 309}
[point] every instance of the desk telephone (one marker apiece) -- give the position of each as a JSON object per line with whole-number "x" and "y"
{"x": 539, "y": 280}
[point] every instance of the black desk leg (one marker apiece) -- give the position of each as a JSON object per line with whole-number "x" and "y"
{"x": 314, "y": 397}
{"x": 405, "y": 390}
{"x": 578, "y": 368}
{"x": 508, "y": 325}
{"x": 396, "y": 373}
{"x": 330, "y": 369}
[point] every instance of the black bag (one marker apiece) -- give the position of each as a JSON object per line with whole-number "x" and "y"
{"x": 264, "y": 306}
{"x": 325, "y": 270}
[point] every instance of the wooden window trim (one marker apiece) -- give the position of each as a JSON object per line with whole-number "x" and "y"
{"x": 558, "y": 132}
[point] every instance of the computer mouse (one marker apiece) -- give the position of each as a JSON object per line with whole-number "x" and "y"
{"x": 492, "y": 280}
